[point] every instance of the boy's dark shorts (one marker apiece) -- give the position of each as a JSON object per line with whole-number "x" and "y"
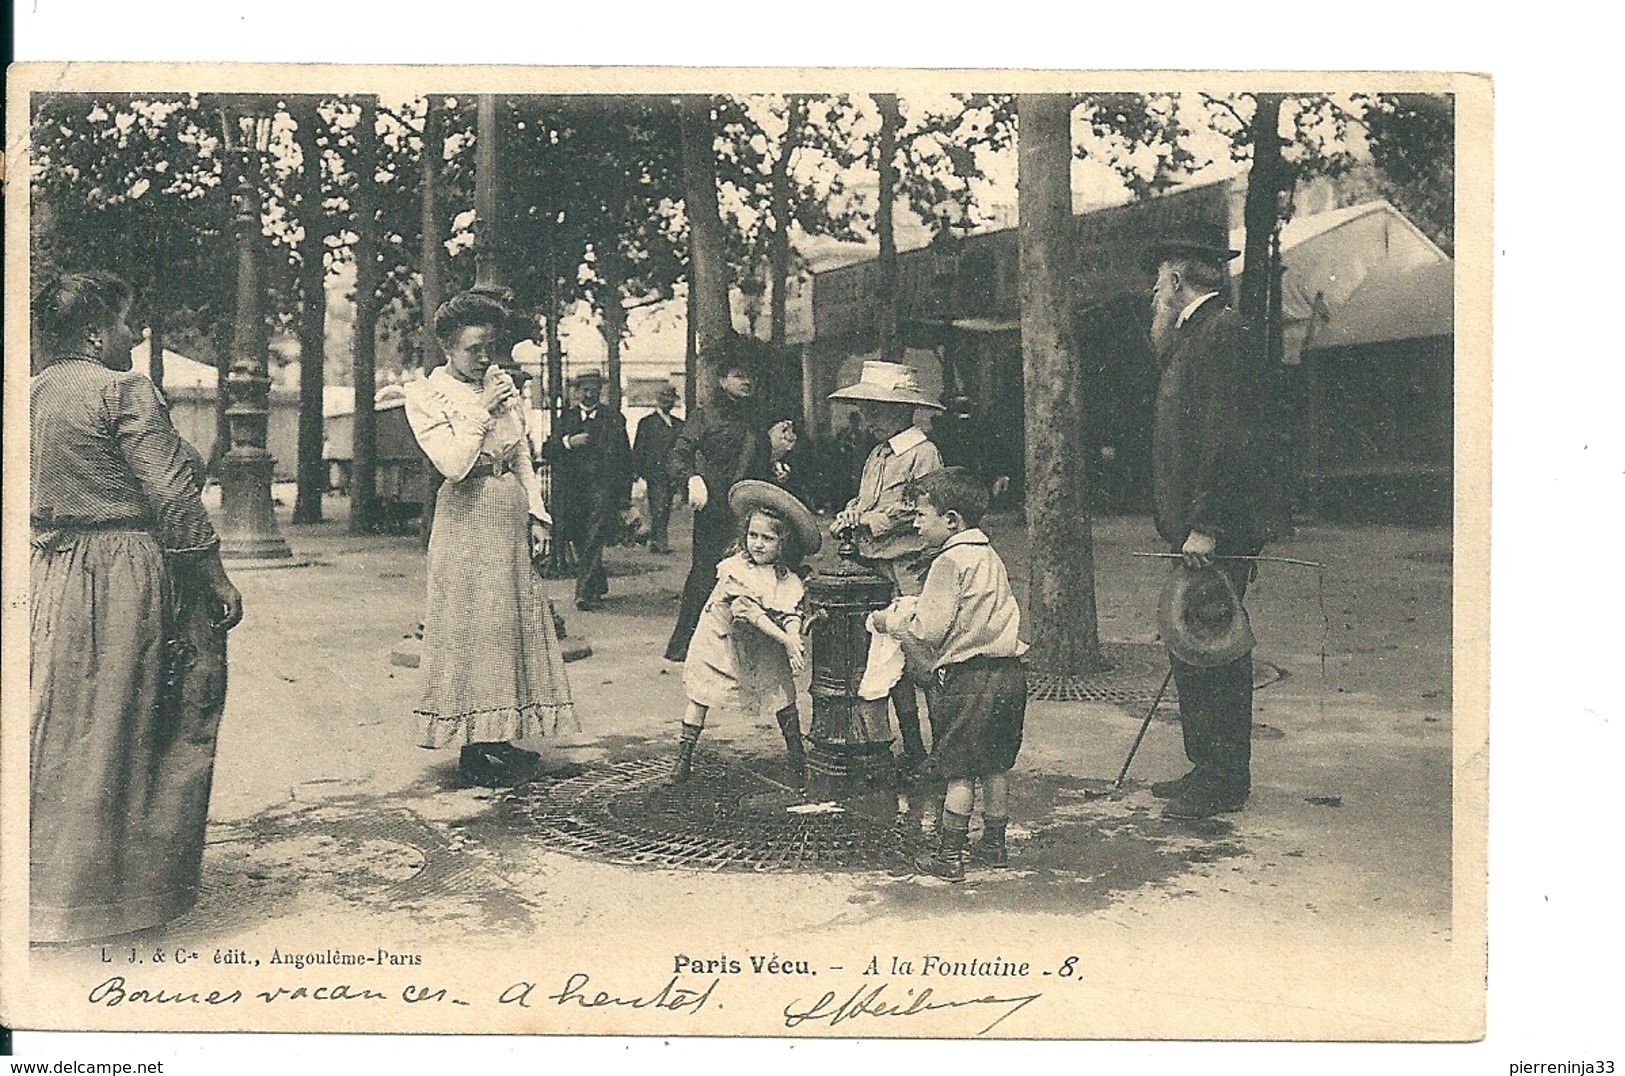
{"x": 976, "y": 711}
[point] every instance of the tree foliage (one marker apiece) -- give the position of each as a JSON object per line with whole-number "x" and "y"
{"x": 1413, "y": 146}
{"x": 135, "y": 186}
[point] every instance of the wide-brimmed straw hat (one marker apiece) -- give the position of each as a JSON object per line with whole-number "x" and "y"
{"x": 887, "y": 382}
{"x": 751, "y": 494}
{"x": 1204, "y": 240}
{"x": 589, "y": 374}
{"x": 1202, "y": 621}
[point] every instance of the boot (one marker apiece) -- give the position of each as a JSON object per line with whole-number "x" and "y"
{"x": 907, "y": 706}
{"x": 795, "y": 751}
{"x": 1167, "y": 790}
{"x": 990, "y": 851}
{"x": 683, "y": 768}
{"x": 948, "y": 861}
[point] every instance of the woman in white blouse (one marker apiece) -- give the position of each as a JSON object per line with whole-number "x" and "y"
{"x": 492, "y": 668}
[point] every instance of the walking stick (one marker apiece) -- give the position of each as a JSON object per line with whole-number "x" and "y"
{"x": 1117, "y": 785}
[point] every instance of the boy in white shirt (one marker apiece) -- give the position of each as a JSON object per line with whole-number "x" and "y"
{"x": 967, "y": 623}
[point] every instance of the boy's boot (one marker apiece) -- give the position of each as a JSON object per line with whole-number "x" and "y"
{"x": 684, "y": 766}
{"x": 795, "y": 751}
{"x": 990, "y": 851}
{"x": 948, "y": 862}
{"x": 907, "y": 704}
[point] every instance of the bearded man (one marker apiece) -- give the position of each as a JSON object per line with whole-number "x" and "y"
{"x": 1206, "y": 480}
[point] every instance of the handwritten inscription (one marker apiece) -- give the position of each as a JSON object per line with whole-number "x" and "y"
{"x": 670, "y": 997}
{"x": 892, "y": 987}
{"x": 873, "y": 1000}
{"x": 117, "y": 990}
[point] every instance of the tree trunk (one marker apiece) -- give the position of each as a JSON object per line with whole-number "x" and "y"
{"x": 364, "y": 456}
{"x": 310, "y": 468}
{"x": 434, "y": 233}
{"x": 1260, "y": 287}
{"x": 612, "y": 325}
{"x": 432, "y": 293}
{"x": 155, "y": 346}
{"x": 707, "y": 258}
{"x": 1061, "y": 574}
{"x": 222, "y": 429}
{"x": 691, "y": 350}
{"x": 795, "y": 116}
{"x": 555, "y": 346}
{"x": 891, "y": 343}
{"x": 1260, "y": 214}
{"x": 486, "y": 239}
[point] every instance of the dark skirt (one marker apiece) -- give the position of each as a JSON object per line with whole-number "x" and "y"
{"x": 976, "y": 712}
{"x": 125, "y": 716}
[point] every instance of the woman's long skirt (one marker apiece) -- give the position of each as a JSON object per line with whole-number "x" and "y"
{"x": 125, "y": 715}
{"x": 492, "y": 666}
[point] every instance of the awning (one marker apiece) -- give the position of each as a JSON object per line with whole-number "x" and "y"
{"x": 1395, "y": 303}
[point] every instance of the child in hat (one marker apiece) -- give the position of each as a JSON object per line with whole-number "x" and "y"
{"x": 747, "y": 650}
{"x": 886, "y": 395}
{"x": 965, "y": 623}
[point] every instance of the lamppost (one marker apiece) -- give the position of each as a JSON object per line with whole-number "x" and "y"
{"x": 248, "y": 528}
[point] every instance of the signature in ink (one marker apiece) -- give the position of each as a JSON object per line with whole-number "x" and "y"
{"x": 873, "y": 1001}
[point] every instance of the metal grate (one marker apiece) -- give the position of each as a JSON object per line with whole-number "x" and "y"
{"x": 1131, "y": 677}
{"x": 1133, "y": 672}
{"x": 727, "y": 817}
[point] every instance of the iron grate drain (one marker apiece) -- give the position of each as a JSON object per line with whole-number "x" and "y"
{"x": 1132, "y": 673}
{"x": 1131, "y": 677}
{"x": 727, "y": 817}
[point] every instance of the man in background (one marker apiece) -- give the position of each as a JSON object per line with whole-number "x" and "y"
{"x": 657, "y": 433}
{"x": 592, "y": 480}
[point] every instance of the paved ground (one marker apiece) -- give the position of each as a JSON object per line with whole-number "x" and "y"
{"x": 326, "y": 818}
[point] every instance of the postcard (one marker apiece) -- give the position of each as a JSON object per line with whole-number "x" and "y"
{"x": 817, "y": 553}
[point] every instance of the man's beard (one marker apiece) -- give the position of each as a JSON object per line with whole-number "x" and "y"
{"x": 1164, "y": 318}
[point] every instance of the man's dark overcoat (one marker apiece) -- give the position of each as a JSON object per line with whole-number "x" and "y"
{"x": 1207, "y": 478}
{"x": 591, "y": 484}
{"x": 1205, "y": 463}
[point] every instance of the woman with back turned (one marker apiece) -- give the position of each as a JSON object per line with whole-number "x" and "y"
{"x": 122, "y": 553}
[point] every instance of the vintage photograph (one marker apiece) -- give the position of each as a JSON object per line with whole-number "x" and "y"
{"x": 979, "y": 555}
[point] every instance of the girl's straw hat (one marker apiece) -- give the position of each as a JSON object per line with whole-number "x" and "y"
{"x": 750, "y": 494}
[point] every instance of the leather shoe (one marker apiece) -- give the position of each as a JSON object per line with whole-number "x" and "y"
{"x": 1203, "y": 803}
{"x": 1167, "y": 790}
{"x": 985, "y": 853}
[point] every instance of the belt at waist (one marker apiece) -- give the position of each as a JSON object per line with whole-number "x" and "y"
{"x": 62, "y": 523}
{"x": 982, "y": 659}
{"x": 944, "y": 673}
{"x": 487, "y": 470}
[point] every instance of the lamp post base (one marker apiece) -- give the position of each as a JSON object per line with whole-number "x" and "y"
{"x": 248, "y": 528}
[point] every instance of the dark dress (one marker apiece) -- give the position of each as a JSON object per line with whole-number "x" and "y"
{"x": 723, "y": 444}
{"x": 126, "y": 673}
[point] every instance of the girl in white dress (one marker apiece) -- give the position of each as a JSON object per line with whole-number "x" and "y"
{"x": 747, "y": 650}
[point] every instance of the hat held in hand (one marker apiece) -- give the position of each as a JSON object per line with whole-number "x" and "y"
{"x": 1202, "y": 621}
